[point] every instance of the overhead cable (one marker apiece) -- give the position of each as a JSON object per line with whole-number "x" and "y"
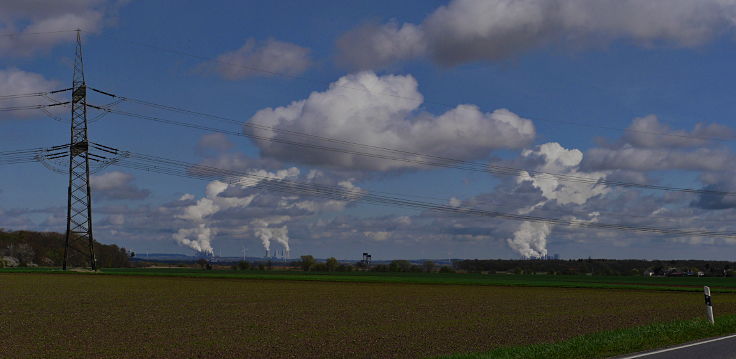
{"x": 431, "y": 161}
{"x": 190, "y": 170}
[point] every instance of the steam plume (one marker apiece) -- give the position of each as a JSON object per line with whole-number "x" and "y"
{"x": 277, "y": 234}
{"x": 530, "y": 240}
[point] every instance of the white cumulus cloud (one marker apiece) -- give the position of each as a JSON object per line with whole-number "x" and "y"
{"x": 559, "y": 160}
{"x": 383, "y": 112}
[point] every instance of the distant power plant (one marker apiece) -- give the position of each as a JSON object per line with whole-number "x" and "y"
{"x": 366, "y": 259}
{"x": 281, "y": 254}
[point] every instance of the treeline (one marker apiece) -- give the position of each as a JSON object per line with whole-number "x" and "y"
{"x": 309, "y": 264}
{"x": 602, "y": 267}
{"x": 30, "y": 249}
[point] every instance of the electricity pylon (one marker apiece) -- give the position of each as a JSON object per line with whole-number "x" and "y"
{"x": 79, "y": 203}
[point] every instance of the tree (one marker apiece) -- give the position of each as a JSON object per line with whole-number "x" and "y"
{"x": 202, "y": 263}
{"x": 331, "y": 264}
{"x": 307, "y": 262}
{"x": 243, "y": 265}
{"x": 24, "y": 252}
{"x": 428, "y": 266}
{"x": 399, "y": 265}
{"x": 47, "y": 248}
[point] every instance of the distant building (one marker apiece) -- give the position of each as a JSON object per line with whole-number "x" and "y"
{"x": 367, "y": 258}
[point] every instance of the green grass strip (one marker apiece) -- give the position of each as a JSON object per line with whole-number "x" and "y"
{"x": 415, "y": 278}
{"x": 616, "y": 342}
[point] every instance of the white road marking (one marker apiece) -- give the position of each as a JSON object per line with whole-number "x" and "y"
{"x": 680, "y": 347}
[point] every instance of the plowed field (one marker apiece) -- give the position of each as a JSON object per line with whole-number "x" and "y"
{"x": 97, "y": 316}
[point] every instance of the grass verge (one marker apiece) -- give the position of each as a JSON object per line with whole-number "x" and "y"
{"x": 717, "y": 284}
{"x": 615, "y": 342}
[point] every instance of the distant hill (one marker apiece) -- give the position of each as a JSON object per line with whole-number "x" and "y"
{"x": 27, "y": 248}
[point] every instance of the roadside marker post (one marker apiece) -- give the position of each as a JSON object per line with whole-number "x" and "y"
{"x": 708, "y": 305}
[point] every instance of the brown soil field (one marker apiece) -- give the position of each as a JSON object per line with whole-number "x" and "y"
{"x": 90, "y": 316}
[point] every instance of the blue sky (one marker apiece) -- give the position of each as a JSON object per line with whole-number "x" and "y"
{"x": 548, "y": 85}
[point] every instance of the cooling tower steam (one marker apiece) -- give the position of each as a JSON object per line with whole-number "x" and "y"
{"x": 530, "y": 240}
{"x": 277, "y": 234}
{"x": 198, "y": 238}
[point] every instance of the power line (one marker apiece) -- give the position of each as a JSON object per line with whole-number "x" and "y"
{"x": 255, "y": 125}
{"x": 20, "y": 156}
{"x": 206, "y": 172}
{"x": 190, "y": 170}
{"x": 39, "y": 154}
{"x": 341, "y": 194}
{"x": 444, "y": 161}
{"x": 22, "y": 95}
{"x": 197, "y": 173}
{"x": 438, "y": 161}
{"x": 30, "y": 107}
{"x": 17, "y": 34}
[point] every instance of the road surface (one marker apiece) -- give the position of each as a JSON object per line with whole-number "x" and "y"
{"x": 715, "y": 348}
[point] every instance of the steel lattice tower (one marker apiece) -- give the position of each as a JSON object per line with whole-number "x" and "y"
{"x": 79, "y": 205}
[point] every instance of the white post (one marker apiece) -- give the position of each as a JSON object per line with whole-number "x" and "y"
{"x": 708, "y": 305}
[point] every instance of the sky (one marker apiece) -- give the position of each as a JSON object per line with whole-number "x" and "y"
{"x": 526, "y": 97}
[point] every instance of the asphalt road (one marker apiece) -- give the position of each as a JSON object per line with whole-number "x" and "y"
{"x": 715, "y": 348}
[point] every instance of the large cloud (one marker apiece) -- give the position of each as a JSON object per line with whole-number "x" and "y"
{"x": 383, "y": 112}
{"x": 39, "y": 22}
{"x": 267, "y": 59}
{"x": 489, "y": 30}
{"x": 16, "y": 81}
